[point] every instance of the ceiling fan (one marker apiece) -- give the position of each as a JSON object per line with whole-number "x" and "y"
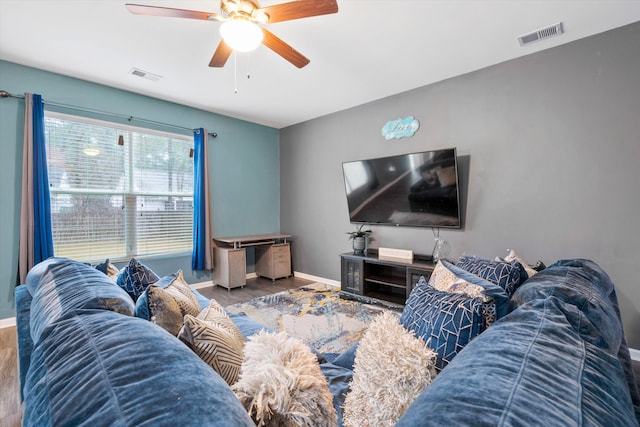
{"x": 244, "y": 20}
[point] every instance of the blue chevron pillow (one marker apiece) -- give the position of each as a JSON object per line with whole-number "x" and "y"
{"x": 135, "y": 278}
{"x": 445, "y": 321}
{"x": 507, "y": 275}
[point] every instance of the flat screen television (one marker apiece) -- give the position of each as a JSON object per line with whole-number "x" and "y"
{"x": 416, "y": 189}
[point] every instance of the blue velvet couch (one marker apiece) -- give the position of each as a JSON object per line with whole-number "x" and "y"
{"x": 559, "y": 358}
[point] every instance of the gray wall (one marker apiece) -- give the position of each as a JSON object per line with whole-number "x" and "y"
{"x": 550, "y": 145}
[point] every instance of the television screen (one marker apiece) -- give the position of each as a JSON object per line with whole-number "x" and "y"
{"x": 417, "y": 189}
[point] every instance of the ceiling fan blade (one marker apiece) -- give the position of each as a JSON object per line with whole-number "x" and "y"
{"x": 140, "y": 9}
{"x": 299, "y": 9}
{"x": 281, "y": 48}
{"x": 221, "y": 55}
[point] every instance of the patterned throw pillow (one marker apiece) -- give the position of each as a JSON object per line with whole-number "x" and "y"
{"x": 445, "y": 280}
{"x": 450, "y": 278}
{"x": 135, "y": 278}
{"x": 507, "y": 275}
{"x": 445, "y": 321}
{"x": 216, "y": 340}
{"x": 281, "y": 383}
{"x": 169, "y": 304}
{"x": 391, "y": 368}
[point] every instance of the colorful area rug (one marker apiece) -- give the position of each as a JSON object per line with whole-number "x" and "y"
{"x": 313, "y": 313}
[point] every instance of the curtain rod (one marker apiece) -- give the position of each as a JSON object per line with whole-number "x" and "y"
{"x": 5, "y": 94}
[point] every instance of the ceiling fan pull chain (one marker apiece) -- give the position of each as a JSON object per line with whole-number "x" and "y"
{"x": 235, "y": 72}
{"x": 248, "y": 65}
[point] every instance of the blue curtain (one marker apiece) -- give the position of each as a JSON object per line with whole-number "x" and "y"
{"x": 201, "y": 255}
{"x": 36, "y": 237}
{"x": 43, "y": 236}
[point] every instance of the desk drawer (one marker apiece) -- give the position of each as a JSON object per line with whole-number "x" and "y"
{"x": 273, "y": 261}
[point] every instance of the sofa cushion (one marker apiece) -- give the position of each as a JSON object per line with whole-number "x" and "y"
{"x": 99, "y": 368}
{"x": 508, "y": 275}
{"x": 339, "y": 379}
{"x": 530, "y": 368}
{"x": 281, "y": 383}
{"x": 216, "y": 340}
{"x": 60, "y": 285}
{"x": 135, "y": 277}
{"x": 445, "y": 321}
{"x": 23, "y": 332}
{"x": 392, "y": 367}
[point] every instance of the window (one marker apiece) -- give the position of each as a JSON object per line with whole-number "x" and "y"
{"x": 117, "y": 201}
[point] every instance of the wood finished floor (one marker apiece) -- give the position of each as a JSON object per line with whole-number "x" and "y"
{"x": 10, "y": 408}
{"x": 254, "y": 288}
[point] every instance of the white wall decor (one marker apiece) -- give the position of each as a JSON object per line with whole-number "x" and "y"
{"x": 399, "y": 128}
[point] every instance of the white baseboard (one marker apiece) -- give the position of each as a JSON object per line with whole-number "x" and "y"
{"x": 9, "y": 322}
{"x": 209, "y": 283}
{"x": 306, "y": 276}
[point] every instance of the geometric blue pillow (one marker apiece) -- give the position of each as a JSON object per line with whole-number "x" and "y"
{"x": 490, "y": 289}
{"x": 135, "y": 278}
{"x": 507, "y": 275}
{"x": 445, "y": 321}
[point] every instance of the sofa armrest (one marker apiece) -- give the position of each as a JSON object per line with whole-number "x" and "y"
{"x": 25, "y": 343}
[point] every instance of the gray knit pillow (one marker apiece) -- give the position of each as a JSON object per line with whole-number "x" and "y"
{"x": 391, "y": 368}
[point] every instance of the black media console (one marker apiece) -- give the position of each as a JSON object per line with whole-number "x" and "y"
{"x": 388, "y": 281}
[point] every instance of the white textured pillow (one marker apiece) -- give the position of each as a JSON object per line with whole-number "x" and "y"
{"x": 445, "y": 280}
{"x": 281, "y": 383}
{"x": 391, "y": 368}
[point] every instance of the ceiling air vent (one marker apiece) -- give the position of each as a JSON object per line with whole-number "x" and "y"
{"x": 144, "y": 74}
{"x": 543, "y": 33}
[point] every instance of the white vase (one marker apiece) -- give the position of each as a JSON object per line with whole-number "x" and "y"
{"x": 440, "y": 250}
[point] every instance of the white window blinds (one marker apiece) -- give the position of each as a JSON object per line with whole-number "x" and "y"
{"x": 117, "y": 201}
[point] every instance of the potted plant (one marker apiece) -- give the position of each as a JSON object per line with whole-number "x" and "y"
{"x": 360, "y": 239}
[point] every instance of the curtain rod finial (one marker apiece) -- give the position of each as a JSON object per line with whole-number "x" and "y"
{"x": 4, "y": 94}
{"x": 213, "y": 134}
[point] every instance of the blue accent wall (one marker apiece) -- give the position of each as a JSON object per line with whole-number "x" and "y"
{"x": 243, "y": 160}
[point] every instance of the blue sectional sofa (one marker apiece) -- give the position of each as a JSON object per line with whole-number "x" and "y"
{"x": 558, "y": 358}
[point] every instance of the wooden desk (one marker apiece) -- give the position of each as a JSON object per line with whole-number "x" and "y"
{"x": 259, "y": 239}
{"x": 273, "y": 258}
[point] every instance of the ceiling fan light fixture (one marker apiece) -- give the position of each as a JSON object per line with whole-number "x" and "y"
{"x": 241, "y": 34}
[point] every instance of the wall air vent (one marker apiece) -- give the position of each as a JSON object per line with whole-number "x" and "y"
{"x": 541, "y": 34}
{"x": 145, "y": 74}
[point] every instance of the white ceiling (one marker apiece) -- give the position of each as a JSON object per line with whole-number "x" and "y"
{"x": 369, "y": 50}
